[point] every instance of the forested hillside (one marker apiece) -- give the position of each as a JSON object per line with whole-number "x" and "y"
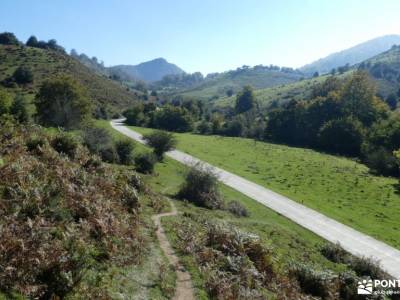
{"x": 40, "y": 64}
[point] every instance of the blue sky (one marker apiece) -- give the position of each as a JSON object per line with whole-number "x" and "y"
{"x": 207, "y": 35}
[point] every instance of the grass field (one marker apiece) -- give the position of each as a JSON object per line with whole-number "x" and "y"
{"x": 338, "y": 187}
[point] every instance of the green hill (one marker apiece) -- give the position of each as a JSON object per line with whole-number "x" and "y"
{"x": 281, "y": 94}
{"x": 217, "y": 85}
{"x": 385, "y": 69}
{"x": 45, "y": 64}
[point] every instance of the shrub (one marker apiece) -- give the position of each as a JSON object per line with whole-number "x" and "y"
{"x": 5, "y": 102}
{"x": 124, "y": 149}
{"x": 144, "y": 163}
{"x": 316, "y": 283}
{"x": 201, "y": 188}
{"x": 23, "y": 75}
{"x": 343, "y": 136}
{"x": 109, "y": 154}
{"x": 161, "y": 142}
{"x": 173, "y": 119}
{"x": 19, "y": 109}
{"x": 35, "y": 144}
{"x": 65, "y": 143}
{"x": 60, "y": 220}
{"x": 381, "y": 161}
{"x": 335, "y": 253}
{"x": 237, "y": 209}
{"x": 96, "y": 138}
{"x": 204, "y": 127}
{"x": 364, "y": 266}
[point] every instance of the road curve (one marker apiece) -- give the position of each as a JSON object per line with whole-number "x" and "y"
{"x": 353, "y": 241}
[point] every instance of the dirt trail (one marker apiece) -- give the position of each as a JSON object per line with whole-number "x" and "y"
{"x": 184, "y": 288}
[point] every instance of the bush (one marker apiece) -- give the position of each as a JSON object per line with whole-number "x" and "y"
{"x": 232, "y": 128}
{"x": 161, "y": 142}
{"x": 23, "y": 75}
{"x": 19, "y": 109}
{"x": 173, "y": 119}
{"x": 5, "y": 102}
{"x": 381, "y": 161}
{"x": 135, "y": 116}
{"x": 316, "y": 283}
{"x": 201, "y": 188}
{"x": 335, "y": 253}
{"x": 109, "y": 154}
{"x": 144, "y": 163}
{"x": 59, "y": 220}
{"x": 364, "y": 266}
{"x": 237, "y": 209}
{"x": 36, "y": 144}
{"x": 96, "y": 138}
{"x": 204, "y": 127}
{"x": 65, "y": 143}
{"x": 342, "y": 136}
{"x": 125, "y": 151}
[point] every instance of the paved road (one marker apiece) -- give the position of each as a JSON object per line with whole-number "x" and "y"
{"x": 353, "y": 241}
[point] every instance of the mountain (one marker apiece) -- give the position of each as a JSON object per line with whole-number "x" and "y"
{"x": 149, "y": 71}
{"x": 219, "y": 84}
{"x": 44, "y": 64}
{"x": 353, "y": 55}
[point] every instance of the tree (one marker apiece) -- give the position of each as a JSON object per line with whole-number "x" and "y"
{"x": 391, "y": 101}
{"x": 331, "y": 84}
{"x": 74, "y": 53}
{"x": 316, "y": 74}
{"x": 229, "y": 92}
{"x": 20, "y": 109}
{"x": 135, "y": 116}
{"x": 32, "y": 41}
{"x": 125, "y": 151}
{"x": 5, "y": 102}
{"x": 245, "y": 100}
{"x": 161, "y": 142}
{"x": 359, "y": 100}
{"x": 173, "y": 119}
{"x": 62, "y": 102}
{"x": 342, "y": 136}
{"x": 8, "y": 38}
{"x": 23, "y": 75}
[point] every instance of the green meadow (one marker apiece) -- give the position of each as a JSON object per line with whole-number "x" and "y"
{"x": 340, "y": 188}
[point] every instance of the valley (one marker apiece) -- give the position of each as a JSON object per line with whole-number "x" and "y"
{"x": 218, "y": 151}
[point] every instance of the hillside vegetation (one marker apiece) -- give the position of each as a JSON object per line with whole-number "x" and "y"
{"x": 45, "y": 64}
{"x": 385, "y": 69}
{"x": 219, "y": 84}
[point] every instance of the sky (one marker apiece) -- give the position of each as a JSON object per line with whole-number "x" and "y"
{"x": 203, "y": 35}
